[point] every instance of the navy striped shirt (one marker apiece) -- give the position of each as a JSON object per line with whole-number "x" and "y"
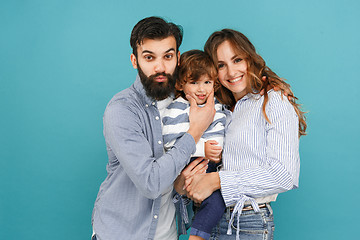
{"x": 176, "y": 123}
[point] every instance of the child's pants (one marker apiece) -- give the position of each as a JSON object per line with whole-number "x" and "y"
{"x": 208, "y": 215}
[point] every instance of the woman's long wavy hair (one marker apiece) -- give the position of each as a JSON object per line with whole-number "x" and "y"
{"x": 256, "y": 70}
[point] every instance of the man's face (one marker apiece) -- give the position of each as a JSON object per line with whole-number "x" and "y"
{"x": 157, "y": 62}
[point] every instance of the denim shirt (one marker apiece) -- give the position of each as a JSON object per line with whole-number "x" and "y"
{"x": 128, "y": 202}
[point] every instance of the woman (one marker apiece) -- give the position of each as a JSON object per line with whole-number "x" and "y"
{"x": 261, "y": 152}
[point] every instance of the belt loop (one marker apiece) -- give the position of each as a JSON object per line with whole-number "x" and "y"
{"x": 269, "y": 208}
{"x": 228, "y": 213}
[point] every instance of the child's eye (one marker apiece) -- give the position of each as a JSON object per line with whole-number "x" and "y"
{"x": 193, "y": 82}
{"x": 208, "y": 82}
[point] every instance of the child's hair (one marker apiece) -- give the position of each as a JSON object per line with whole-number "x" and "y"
{"x": 193, "y": 65}
{"x": 256, "y": 69}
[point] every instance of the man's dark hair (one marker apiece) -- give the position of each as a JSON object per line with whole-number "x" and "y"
{"x": 154, "y": 28}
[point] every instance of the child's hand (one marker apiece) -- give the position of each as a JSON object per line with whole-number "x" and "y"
{"x": 213, "y": 151}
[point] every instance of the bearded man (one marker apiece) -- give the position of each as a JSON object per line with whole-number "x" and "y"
{"x": 135, "y": 199}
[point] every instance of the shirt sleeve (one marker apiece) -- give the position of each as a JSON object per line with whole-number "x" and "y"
{"x": 127, "y": 138}
{"x": 279, "y": 171}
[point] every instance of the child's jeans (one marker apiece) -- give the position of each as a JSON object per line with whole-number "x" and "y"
{"x": 208, "y": 215}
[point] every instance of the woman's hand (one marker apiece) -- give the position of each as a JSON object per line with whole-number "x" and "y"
{"x": 198, "y": 166}
{"x": 202, "y": 186}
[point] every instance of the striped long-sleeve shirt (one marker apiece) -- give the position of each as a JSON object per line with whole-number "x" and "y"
{"x": 260, "y": 159}
{"x": 176, "y": 122}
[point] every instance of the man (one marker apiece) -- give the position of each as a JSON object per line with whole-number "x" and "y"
{"x": 135, "y": 200}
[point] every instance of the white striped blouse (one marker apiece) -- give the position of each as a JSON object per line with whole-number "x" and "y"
{"x": 260, "y": 159}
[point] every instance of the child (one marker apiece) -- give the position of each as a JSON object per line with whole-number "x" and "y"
{"x": 197, "y": 75}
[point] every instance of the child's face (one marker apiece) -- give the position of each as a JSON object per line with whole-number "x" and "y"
{"x": 199, "y": 89}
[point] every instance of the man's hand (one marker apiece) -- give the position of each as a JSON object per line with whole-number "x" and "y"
{"x": 202, "y": 186}
{"x": 213, "y": 151}
{"x": 198, "y": 166}
{"x": 200, "y": 117}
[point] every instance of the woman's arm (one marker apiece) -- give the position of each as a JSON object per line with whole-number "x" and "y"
{"x": 278, "y": 171}
{"x": 198, "y": 166}
{"x": 202, "y": 186}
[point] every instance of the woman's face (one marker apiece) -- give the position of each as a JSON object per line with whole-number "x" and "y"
{"x": 232, "y": 70}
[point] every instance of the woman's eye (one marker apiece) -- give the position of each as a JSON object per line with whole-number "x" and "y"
{"x": 237, "y": 60}
{"x": 220, "y": 65}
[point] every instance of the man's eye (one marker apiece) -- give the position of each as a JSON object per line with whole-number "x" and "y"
{"x": 168, "y": 56}
{"x": 148, "y": 57}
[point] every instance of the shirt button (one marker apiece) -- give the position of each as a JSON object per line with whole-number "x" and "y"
{"x": 146, "y": 105}
{"x": 157, "y": 118}
{"x": 153, "y": 103}
{"x": 159, "y": 142}
{"x": 155, "y": 216}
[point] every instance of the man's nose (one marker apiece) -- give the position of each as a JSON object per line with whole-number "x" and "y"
{"x": 160, "y": 66}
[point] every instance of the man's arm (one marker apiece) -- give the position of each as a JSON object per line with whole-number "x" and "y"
{"x": 124, "y": 134}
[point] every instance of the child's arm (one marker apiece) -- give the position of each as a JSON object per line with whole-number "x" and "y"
{"x": 213, "y": 151}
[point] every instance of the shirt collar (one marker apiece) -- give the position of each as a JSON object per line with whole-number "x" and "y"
{"x": 139, "y": 87}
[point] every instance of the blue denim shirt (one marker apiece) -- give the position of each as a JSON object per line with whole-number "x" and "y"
{"x": 128, "y": 202}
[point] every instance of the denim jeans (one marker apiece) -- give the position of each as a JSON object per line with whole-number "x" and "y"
{"x": 208, "y": 215}
{"x": 253, "y": 226}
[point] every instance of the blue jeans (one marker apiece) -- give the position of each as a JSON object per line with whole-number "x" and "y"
{"x": 253, "y": 226}
{"x": 208, "y": 215}
{"x": 210, "y": 212}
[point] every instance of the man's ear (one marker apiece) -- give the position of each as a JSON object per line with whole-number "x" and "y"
{"x": 178, "y": 57}
{"x": 133, "y": 60}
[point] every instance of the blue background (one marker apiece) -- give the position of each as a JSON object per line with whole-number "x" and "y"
{"x": 62, "y": 61}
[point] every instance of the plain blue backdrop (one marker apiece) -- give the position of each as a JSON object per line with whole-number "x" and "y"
{"x": 62, "y": 61}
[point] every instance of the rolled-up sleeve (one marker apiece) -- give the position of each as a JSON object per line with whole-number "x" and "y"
{"x": 277, "y": 170}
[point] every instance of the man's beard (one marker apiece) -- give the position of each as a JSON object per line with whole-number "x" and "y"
{"x": 158, "y": 90}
